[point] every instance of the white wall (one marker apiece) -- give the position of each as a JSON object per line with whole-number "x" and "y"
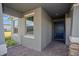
{"x": 46, "y": 29}
{"x": 75, "y": 22}
{"x": 74, "y": 38}
{"x": 21, "y": 30}
{"x": 67, "y": 28}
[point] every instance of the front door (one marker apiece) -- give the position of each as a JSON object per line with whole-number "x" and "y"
{"x": 59, "y": 32}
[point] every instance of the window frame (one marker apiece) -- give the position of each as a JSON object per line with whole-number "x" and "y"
{"x": 26, "y": 32}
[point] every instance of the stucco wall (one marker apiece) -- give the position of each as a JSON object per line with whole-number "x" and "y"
{"x": 75, "y": 22}
{"x": 74, "y": 38}
{"x": 46, "y": 29}
{"x": 42, "y": 31}
{"x": 21, "y": 30}
{"x": 68, "y": 21}
{"x": 34, "y": 43}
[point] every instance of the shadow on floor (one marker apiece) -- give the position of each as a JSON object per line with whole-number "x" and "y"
{"x": 53, "y": 49}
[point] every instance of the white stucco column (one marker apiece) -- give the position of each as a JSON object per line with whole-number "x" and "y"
{"x": 75, "y": 24}
{"x": 3, "y": 49}
{"x": 21, "y": 29}
{"x": 74, "y": 39}
{"x": 68, "y": 27}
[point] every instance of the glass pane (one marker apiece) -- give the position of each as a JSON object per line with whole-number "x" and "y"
{"x": 29, "y": 25}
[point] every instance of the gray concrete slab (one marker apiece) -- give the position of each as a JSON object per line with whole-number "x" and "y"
{"x": 53, "y": 49}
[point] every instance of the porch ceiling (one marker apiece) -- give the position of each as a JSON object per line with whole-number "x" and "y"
{"x": 53, "y": 9}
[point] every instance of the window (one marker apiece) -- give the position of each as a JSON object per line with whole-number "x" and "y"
{"x": 29, "y": 25}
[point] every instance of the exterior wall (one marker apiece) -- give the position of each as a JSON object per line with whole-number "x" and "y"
{"x": 42, "y": 31}
{"x": 74, "y": 38}
{"x": 75, "y": 28}
{"x": 3, "y": 49}
{"x": 34, "y": 41}
{"x": 46, "y": 29}
{"x": 68, "y": 21}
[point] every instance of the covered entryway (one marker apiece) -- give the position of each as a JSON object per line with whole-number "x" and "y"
{"x": 40, "y": 24}
{"x": 59, "y": 31}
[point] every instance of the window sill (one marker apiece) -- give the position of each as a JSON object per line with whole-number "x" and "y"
{"x": 29, "y": 36}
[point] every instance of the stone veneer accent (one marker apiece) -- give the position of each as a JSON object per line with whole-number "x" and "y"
{"x": 74, "y": 49}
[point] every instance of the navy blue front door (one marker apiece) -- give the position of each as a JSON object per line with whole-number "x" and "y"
{"x": 59, "y": 33}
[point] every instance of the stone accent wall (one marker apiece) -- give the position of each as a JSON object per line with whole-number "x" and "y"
{"x": 74, "y": 49}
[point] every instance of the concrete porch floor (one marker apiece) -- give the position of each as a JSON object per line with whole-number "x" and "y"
{"x": 53, "y": 49}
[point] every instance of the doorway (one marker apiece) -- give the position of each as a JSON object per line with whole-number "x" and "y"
{"x": 59, "y": 31}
